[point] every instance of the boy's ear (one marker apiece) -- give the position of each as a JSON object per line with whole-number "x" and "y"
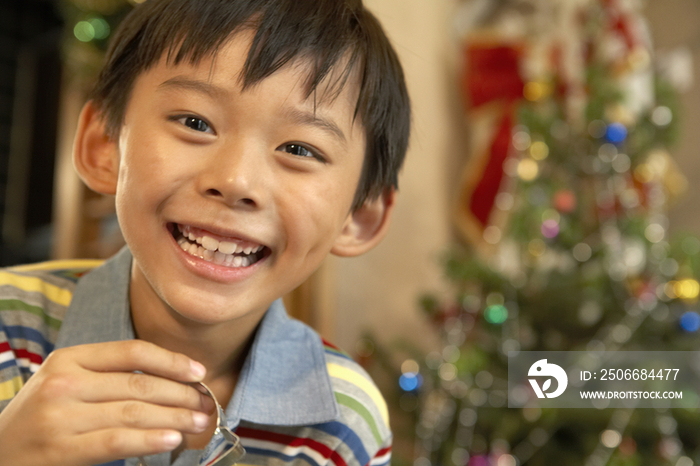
{"x": 365, "y": 227}
{"x": 95, "y": 155}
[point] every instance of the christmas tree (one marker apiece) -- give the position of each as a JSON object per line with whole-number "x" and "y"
{"x": 563, "y": 204}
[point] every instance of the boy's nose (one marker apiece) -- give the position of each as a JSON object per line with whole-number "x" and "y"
{"x": 236, "y": 178}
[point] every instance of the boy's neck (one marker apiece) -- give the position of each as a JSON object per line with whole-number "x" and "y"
{"x": 221, "y": 348}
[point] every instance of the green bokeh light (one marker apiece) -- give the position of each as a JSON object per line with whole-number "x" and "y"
{"x": 84, "y": 31}
{"x": 496, "y": 314}
{"x": 100, "y": 26}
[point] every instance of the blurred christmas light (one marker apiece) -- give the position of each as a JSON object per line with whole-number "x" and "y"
{"x": 534, "y": 91}
{"x": 479, "y": 461}
{"x": 100, "y": 27}
{"x": 628, "y": 446}
{"x": 670, "y": 447}
{"x": 409, "y": 365}
{"x": 450, "y": 353}
{"x": 686, "y": 289}
{"x": 565, "y": 201}
{"x": 496, "y": 314}
{"x": 669, "y": 267}
{"x": 616, "y": 133}
{"x": 505, "y": 201}
{"x": 654, "y": 233}
{"x": 521, "y": 140}
{"x": 506, "y": 460}
{"x": 483, "y": 379}
{"x": 666, "y": 424}
{"x": 528, "y": 169}
{"x": 629, "y": 198}
{"x": 690, "y": 321}
{"x": 536, "y": 247}
{"x": 410, "y": 382}
{"x": 447, "y": 371}
{"x": 460, "y": 456}
{"x": 510, "y": 166}
{"x": 590, "y": 313}
{"x": 467, "y": 417}
{"x": 551, "y": 214}
{"x": 492, "y": 234}
{"x": 478, "y": 397}
{"x": 621, "y": 163}
{"x": 596, "y": 128}
{"x": 539, "y": 150}
{"x": 610, "y": 438}
{"x": 84, "y": 31}
{"x": 582, "y": 252}
{"x": 550, "y": 228}
{"x": 644, "y": 173}
{"x": 607, "y": 152}
{"x": 638, "y": 58}
{"x": 662, "y": 116}
{"x": 690, "y": 245}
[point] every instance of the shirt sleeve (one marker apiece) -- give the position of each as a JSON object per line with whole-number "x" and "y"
{"x": 383, "y": 456}
{"x": 32, "y": 305}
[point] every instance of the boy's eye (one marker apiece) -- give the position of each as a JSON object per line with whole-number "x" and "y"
{"x": 195, "y": 123}
{"x": 296, "y": 149}
{"x": 301, "y": 151}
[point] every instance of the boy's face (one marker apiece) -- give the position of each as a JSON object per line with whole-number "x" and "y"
{"x": 264, "y": 169}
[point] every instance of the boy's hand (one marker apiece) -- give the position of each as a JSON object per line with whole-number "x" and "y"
{"x": 85, "y": 405}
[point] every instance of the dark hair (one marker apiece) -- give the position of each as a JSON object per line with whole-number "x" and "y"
{"x": 325, "y": 32}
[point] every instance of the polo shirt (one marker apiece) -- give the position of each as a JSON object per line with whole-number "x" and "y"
{"x": 299, "y": 400}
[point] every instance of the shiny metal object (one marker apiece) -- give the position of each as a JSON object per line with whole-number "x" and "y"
{"x": 227, "y": 449}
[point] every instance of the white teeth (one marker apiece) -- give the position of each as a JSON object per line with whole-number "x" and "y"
{"x": 210, "y": 243}
{"x": 226, "y": 253}
{"x": 227, "y": 247}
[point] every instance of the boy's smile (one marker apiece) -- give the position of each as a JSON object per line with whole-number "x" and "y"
{"x": 229, "y": 199}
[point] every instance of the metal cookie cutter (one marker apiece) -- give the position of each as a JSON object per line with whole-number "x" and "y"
{"x": 226, "y": 450}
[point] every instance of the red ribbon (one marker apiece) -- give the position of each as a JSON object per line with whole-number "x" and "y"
{"x": 492, "y": 75}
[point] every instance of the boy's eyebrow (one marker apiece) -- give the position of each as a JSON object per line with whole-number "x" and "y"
{"x": 298, "y": 116}
{"x": 302, "y": 117}
{"x": 203, "y": 87}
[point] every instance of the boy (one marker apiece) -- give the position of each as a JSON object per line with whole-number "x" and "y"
{"x": 243, "y": 140}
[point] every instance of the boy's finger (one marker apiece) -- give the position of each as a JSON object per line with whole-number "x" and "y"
{"x": 122, "y": 386}
{"x": 112, "y": 444}
{"x": 138, "y": 415}
{"x": 137, "y": 355}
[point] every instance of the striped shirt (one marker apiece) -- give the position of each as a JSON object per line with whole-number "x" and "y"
{"x": 299, "y": 400}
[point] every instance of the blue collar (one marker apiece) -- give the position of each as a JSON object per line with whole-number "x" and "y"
{"x": 284, "y": 380}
